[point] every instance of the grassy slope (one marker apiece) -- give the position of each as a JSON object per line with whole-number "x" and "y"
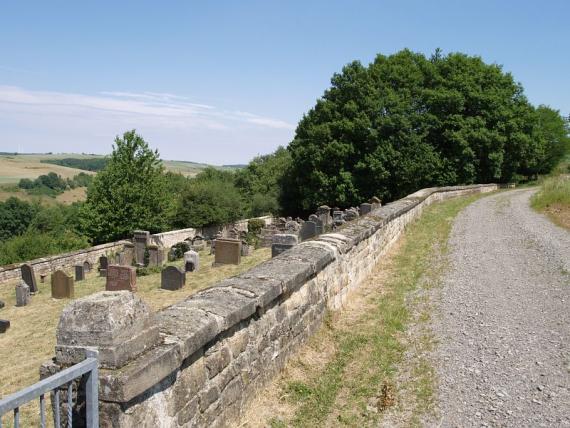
{"x": 553, "y": 198}
{"x": 30, "y": 340}
{"x": 347, "y": 374}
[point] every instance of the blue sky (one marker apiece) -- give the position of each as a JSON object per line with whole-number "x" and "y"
{"x": 223, "y": 81}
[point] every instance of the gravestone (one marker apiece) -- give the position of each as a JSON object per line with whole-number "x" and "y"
{"x": 4, "y": 325}
{"x": 245, "y": 249}
{"x": 86, "y": 266}
{"x": 172, "y": 278}
{"x": 191, "y": 261}
{"x": 198, "y": 243}
{"x": 103, "y": 262}
{"x": 308, "y": 231}
{"x": 79, "y": 272}
{"x": 376, "y": 202}
{"x": 228, "y": 251}
{"x": 141, "y": 240}
{"x": 219, "y": 235}
{"x": 292, "y": 227}
{"x": 29, "y": 277}
{"x": 350, "y": 214}
{"x": 320, "y": 225}
{"x": 338, "y": 217}
{"x": 324, "y": 213}
{"x": 155, "y": 256}
{"x": 129, "y": 253}
{"x": 22, "y": 294}
{"x": 121, "y": 278}
{"x": 282, "y": 242}
{"x": 2, "y": 304}
{"x": 365, "y": 208}
{"x": 62, "y": 285}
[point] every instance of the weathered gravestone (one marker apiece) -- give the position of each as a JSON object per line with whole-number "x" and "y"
{"x": 324, "y": 213}
{"x": 191, "y": 261}
{"x": 86, "y": 266}
{"x": 292, "y": 227}
{"x": 129, "y": 253}
{"x": 376, "y": 202}
{"x": 172, "y": 278}
{"x": 29, "y": 277}
{"x": 245, "y": 249}
{"x": 103, "y": 262}
{"x": 121, "y": 278}
{"x": 155, "y": 255}
{"x": 22, "y": 294}
{"x": 228, "y": 251}
{"x": 282, "y": 242}
{"x": 318, "y": 221}
{"x": 2, "y": 304}
{"x": 308, "y": 231}
{"x": 338, "y": 217}
{"x": 79, "y": 272}
{"x": 141, "y": 240}
{"x": 365, "y": 208}
{"x": 4, "y": 325}
{"x": 198, "y": 243}
{"x": 62, "y": 285}
{"x": 350, "y": 214}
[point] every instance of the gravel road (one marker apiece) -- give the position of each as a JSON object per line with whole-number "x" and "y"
{"x": 503, "y": 357}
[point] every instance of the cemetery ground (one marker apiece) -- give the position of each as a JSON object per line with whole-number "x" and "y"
{"x": 367, "y": 361}
{"x": 30, "y": 340}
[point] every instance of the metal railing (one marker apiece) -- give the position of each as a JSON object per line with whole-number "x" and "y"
{"x": 87, "y": 368}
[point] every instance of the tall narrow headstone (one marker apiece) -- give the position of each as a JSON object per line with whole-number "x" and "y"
{"x": 29, "y": 277}
{"x": 319, "y": 223}
{"x": 103, "y": 262}
{"x": 283, "y": 242}
{"x": 79, "y": 272}
{"x": 129, "y": 252}
{"x": 155, "y": 256}
{"x": 62, "y": 285}
{"x": 228, "y": 251}
{"x": 121, "y": 278}
{"x": 87, "y": 266}
{"x": 324, "y": 213}
{"x": 172, "y": 278}
{"x": 308, "y": 231}
{"x": 191, "y": 261}
{"x": 22, "y": 294}
{"x": 141, "y": 240}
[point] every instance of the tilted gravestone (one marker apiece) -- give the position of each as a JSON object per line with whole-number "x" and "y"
{"x": 365, "y": 208}
{"x": 79, "y": 272}
{"x": 141, "y": 240}
{"x": 4, "y": 325}
{"x": 121, "y": 278}
{"x": 155, "y": 256}
{"x": 191, "y": 261}
{"x": 308, "y": 231}
{"x": 62, "y": 285}
{"x": 29, "y": 277}
{"x": 22, "y": 294}
{"x": 228, "y": 251}
{"x": 172, "y": 278}
{"x": 86, "y": 266}
{"x": 282, "y": 242}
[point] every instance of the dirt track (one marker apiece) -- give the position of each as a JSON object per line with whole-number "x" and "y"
{"x": 503, "y": 328}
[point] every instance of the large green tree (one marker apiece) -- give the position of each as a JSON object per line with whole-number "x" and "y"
{"x": 406, "y": 122}
{"x": 128, "y": 194}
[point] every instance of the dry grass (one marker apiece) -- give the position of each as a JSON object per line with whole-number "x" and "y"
{"x": 13, "y": 168}
{"x": 30, "y": 340}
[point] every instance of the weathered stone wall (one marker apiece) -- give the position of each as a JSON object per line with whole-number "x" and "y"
{"x": 222, "y": 344}
{"x": 168, "y": 239}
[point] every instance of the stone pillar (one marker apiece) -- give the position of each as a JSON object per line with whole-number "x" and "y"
{"x": 22, "y": 294}
{"x": 118, "y": 324}
{"x": 141, "y": 239}
{"x": 324, "y": 213}
{"x": 282, "y": 242}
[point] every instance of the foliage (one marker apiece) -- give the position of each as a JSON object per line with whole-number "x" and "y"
{"x": 129, "y": 194}
{"x": 209, "y": 198}
{"x": 88, "y": 164}
{"x": 15, "y": 217}
{"x": 407, "y": 122}
{"x": 259, "y": 182}
{"x": 255, "y": 225}
{"x": 53, "y": 184}
{"x": 179, "y": 249}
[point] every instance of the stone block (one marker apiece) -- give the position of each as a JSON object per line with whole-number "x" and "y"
{"x": 22, "y": 294}
{"x": 156, "y": 256}
{"x": 365, "y": 208}
{"x": 121, "y": 278}
{"x": 308, "y": 231}
{"x": 283, "y": 242}
{"x": 228, "y": 251}
{"x": 79, "y": 272}
{"x": 62, "y": 285}
{"x": 172, "y": 278}
{"x": 118, "y": 324}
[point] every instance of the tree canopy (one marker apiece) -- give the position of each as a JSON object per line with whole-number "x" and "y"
{"x": 128, "y": 194}
{"x": 406, "y": 122}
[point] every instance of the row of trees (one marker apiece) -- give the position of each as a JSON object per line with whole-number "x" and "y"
{"x": 52, "y": 184}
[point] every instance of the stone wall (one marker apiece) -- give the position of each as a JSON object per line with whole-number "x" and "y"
{"x": 221, "y": 345}
{"x": 168, "y": 239}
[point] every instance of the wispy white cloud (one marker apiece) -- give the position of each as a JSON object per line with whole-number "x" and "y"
{"x": 154, "y": 109}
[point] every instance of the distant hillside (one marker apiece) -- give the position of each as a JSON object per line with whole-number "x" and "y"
{"x": 87, "y": 164}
